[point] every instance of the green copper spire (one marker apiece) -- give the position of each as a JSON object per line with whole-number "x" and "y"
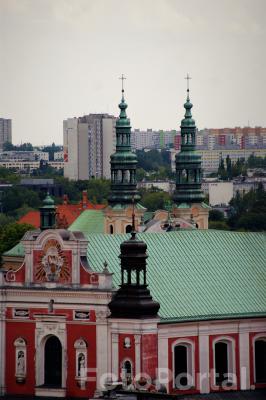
{"x": 123, "y": 161}
{"x": 188, "y": 162}
{"x": 47, "y": 213}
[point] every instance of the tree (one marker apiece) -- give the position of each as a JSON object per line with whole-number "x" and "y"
{"x": 18, "y": 196}
{"x": 11, "y": 234}
{"x": 216, "y": 215}
{"x": 155, "y": 200}
{"x": 220, "y": 225}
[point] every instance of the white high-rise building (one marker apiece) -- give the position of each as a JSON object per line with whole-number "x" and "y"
{"x": 89, "y": 142}
{"x": 5, "y": 132}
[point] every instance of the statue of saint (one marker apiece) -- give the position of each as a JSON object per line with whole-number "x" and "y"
{"x": 81, "y": 366}
{"x": 21, "y": 363}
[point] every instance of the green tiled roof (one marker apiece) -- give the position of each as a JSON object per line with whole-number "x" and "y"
{"x": 16, "y": 251}
{"x": 196, "y": 274}
{"x": 89, "y": 221}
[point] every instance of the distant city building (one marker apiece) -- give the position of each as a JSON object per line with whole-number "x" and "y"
{"x": 148, "y": 139}
{"x": 5, "y": 132}
{"x": 89, "y": 142}
{"x": 211, "y": 158}
{"x": 59, "y": 156}
{"x": 24, "y": 155}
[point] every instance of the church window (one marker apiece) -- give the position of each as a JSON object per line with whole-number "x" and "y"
{"x": 260, "y": 360}
{"x": 127, "y": 372}
{"x": 128, "y": 228}
{"x": 111, "y": 229}
{"x": 183, "y": 364}
{"x": 81, "y": 359}
{"x": 224, "y": 362}
{"x": 20, "y": 359}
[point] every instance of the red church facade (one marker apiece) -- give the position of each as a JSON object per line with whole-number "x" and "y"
{"x": 58, "y": 338}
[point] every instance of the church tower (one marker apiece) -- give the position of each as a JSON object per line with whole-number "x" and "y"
{"x": 188, "y": 196}
{"x": 123, "y": 179}
{"x": 133, "y": 323}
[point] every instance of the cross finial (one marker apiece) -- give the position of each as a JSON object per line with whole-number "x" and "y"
{"x": 122, "y": 79}
{"x": 188, "y": 78}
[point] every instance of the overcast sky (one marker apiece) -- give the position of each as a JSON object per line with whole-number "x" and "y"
{"x": 62, "y": 58}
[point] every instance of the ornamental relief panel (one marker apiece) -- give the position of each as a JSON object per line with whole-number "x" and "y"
{"x": 52, "y": 264}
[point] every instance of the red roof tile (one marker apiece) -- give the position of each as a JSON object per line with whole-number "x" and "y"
{"x": 66, "y": 213}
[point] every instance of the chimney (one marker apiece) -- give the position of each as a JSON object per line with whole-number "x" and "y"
{"x": 84, "y": 199}
{"x": 65, "y": 199}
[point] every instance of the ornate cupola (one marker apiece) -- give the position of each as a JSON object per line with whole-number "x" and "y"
{"x": 123, "y": 161}
{"x": 188, "y": 196}
{"x": 47, "y": 213}
{"x": 117, "y": 215}
{"x": 133, "y": 299}
{"x": 188, "y": 162}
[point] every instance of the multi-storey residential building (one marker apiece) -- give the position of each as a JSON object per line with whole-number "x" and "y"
{"x": 211, "y": 158}
{"x": 88, "y": 144}
{"x": 5, "y": 132}
{"x": 148, "y": 139}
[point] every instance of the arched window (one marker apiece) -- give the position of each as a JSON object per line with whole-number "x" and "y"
{"x": 128, "y": 228}
{"x": 127, "y": 372}
{"x": 111, "y": 229}
{"x": 260, "y": 360}
{"x": 183, "y": 365}
{"x": 224, "y": 362}
{"x": 20, "y": 359}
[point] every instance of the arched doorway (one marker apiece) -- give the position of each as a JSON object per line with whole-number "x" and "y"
{"x": 53, "y": 362}
{"x": 260, "y": 361}
{"x": 181, "y": 364}
{"x": 221, "y": 362}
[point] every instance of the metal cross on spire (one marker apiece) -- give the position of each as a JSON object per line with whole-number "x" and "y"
{"x": 188, "y": 78}
{"x": 122, "y": 79}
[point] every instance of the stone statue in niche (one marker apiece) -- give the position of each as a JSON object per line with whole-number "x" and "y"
{"x": 81, "y": 366}
{"x": 20, "y": 367}
{"x": 127, "y": 343}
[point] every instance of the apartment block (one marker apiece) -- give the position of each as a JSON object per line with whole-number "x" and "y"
{"x": 89, "y": 142}
{"x": 5, "y": 132}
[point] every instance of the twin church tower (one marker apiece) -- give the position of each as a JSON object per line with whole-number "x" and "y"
{"x": 188, "y": 197}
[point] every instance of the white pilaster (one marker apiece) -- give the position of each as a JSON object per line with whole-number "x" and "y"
{"x": 163, "y": 362}
{"x": 244, "y": 360}
{"x": 115, "y": 350}
{"x": 2, "y": 346}
{"x": 102, "y": 352}
{"x": 204, "y": 367}
{"x": 137, "y": 354}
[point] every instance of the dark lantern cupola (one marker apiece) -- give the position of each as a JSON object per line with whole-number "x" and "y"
{"x": 133, "y": 298}
{"x": 123, "y": 161}
{"x": 188, "y": 162}
{"x": 47, "y": 213}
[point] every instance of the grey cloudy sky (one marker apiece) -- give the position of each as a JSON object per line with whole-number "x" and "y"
{"x": 62, "y": 58}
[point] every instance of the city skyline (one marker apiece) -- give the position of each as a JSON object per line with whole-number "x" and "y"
{"x": 64, "y": 59}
